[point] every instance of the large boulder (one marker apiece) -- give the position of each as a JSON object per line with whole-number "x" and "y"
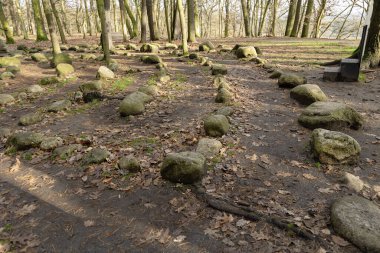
{"x": 9, "y": 61}
{"x": 96, "y": 156}
{"x": 149, "y": 48}
{"x": 151, "y": 59}
{"x": 105, "y": 73}
{"x": 331, "y": 147}
{"x": 59, "y": 105}
{"x": 245, "y": 52}
{"x": 216, "y": 125}
{"x": 290, "y": 80}
{"x": 39, "y": 57}
{"x": 6, "y": 99}
{"x": 307, "y": 94}
{"x": 65, "y": 70}
{"x": 330, "y": 115}
{"x": 218, "y": 69}
{"x": 30, "y": 119}
{"x": 24, "y": 140}
{"x": 61, "y": 58}
{"x": 184, "y": 167}
{"x": 209, "y": 147}
{"x": 357, "y": 220}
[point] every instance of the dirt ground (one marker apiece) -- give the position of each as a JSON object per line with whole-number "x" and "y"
{"x": 49, "y": 205}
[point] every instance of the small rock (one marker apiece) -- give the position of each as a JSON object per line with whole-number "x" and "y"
{"x": 51, "y": 143}
{"x": 49, "y": 80}
{"x": 9, "y": 61}
{"x": 223, "y": 96}
{"x": 30, "y": 119}
{"x": 13, "y": 69}
{"x": 209, "y": 147}
{"x": 59, "y": 106}
{"x": 353, "y": 182}
{"x": 35, "y": 88}
{"x": 96, "y": 156}
{"x": 24, "y": 140}
{"x": 88, "y": 57}
{"x": 105, "y": 73}
{"x": 216, "y": 125}
{"x": 61, "y": 58}
{"x": 226, "y": 111}
{"x": 206, "y": 46}
{"x": 245, "y": 52}
{"x": 307, "y": 94}
{"x": 91, "y": 91}
{"x": 151, "y": 90}
{"x": 151, "y": 59}
{"x": 5, "y": 132}
{"x": 149, "y": 48}
{"x": 193, "y": 56}
{"x": 65, "y": 70}
{"x": 170, "y": 46}
{"x": 276, "y": 74}
{"x": 184, "y": 167}
{"x": 67, "y": 151}
{"x": 290, "y": 80}
{"x": 39, "y": 57}
{"x": 218, "y": 69}
{"x": 129, "y": 163}
{"x": 7, "y": 75}
{"x": 131, "y": 46}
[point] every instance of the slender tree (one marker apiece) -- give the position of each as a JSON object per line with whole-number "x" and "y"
{"x": 227, "y": 20}
{"x": 191, "y": 20}
{"x": 143, "y": 20}
{"x": 183, "y": 27}
{"x": 274, "y": 17}
{"x": 307, "y": 20}
{"x": 58, "y": 21}
{"x": 132, "y": 18}
{"x": 40, "y": 28}
{"x": 104, "y": 7}
{"x": 244, "y": 8}
{"x": 297, "y": 19}
{"x": 166, "y": 9}
{"x": 372, "y": 49}
{"x": 151, "y": 22}
{"x": 291, "y": 16}
{"x": 5, "y": 25}
{"x": 50, "y": 20}
{"x": 319, "y": 17}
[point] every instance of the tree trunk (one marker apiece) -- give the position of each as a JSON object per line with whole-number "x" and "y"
{"x": 291, "y": 16}
{"x": 307, "y": 20}
{"x": 174, "y": 19}
{"x": 151, "y": 22}
{"x": 191, "y": 21}
{"x": 65, "y": 21}
{"x": 372, "y": 50}
{"x": 263, "y": 16}
{"x": 345, "y": 20}
{"x": 41, "y": 33}
{"x": 320, "y": 15}
{"x": 166, "y": 7}
{"x": 104, "y": 6}
{"x": 274, "y": 17}
{"x": 50, "y": 21}
{"x": 245, "y": 18}
{"x": 196, "y": 20}
{"x": 297, "y": 19}
{"x": 59, "y": 23}
{"x": 124, "y": 20}
{"x": 21, "y": 19}
{"x": 5, "y": 25}
{"x": 143, "y": 20}
{"x": 89, "y": 29}
{"x": 227, "y": 21}
{"x": 183, "y": 27}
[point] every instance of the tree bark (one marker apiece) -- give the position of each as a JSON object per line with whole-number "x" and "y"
{"x": 191, "y": 21}
{"x": 245, "y": 18}
{"x": 50, "y": 20}
{"x": 297, "y": 19}
{"x": 124, "y": 20}
{"x": 59, "y": 23}
{"x": 320, "y": 15}
{"x": 183, "y": 27}
{"x": 291, "y": 16}
{"x": 263, "y": 16}
{"x": 166, "y": 7}
{"x": 5, "y": 25}
{"x": 372, "y": 50}
{"x": 132, "y": 18}
{"x": 143, "y": 20}
{"x": 196, "y": 20}
{"x": 89, "y": 28}
{"x": 41, "y": 33}
{"x": 227, "y": 21}
{"x": 104, "y": 6}
{"x": 307, "y": 20}
{"x": 151, "y": 23}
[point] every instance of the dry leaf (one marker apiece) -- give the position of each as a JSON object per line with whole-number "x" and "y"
{"x": 308, "y": 176}
{"x": 89, "y": 223}
{"x": 340, "y": 241}
{"x": 325, "y": 190}
{"x": 284, "y": 174}
{"x": 26, "y": 209}
{"x": 265, "y": 159}
{"x": 283, "y": 192}
{"x": 179, "y": 238}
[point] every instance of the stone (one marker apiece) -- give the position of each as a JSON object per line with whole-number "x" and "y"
{"x": 331, "y": 147}
{"x": 223, "y": 96}
{"x": 149, "y": 48}
{"x": 353, "y": 182}
{"x": 206, "y": 46}
{"x": 6, "y": 99}
{"x": 218, "y": 69}
{"x": 193, "y": 56}
{"x": 7, "y": 76}
{"x": 23, "y": 47}
{"x": 216, "y": 125}
{"x": 35, "y": 88}
{"x": 307, "y": 94}
{"x": 66, "y": 152}
{"x": 39, "y": 57}
{"x": 105, "y": 73}
{"x": 9, "y": 61}
{"x": 145, "y": 98}
{"x": 5, "y": 132}
{"x": 164, "y": 78}
{"x": 51, "y": 143}
{"x": 290, "y": 80}
{"x": 276, "y": 74}
{"x": 151, "y": 90}
{"x": 61, "y": 58}
{"x": 91, "y": 91}
{"x": 131, "y": 106}
{"x": 129, "y": 163}
{"x": 49, "y": 80}
{"x": 24, "y": 140}
{"x": 245, "y": 52}
{"x": 131, "y": 46}
{"x": 65, "y": 70}
{"x": 151, "y": 59}
{"x": 219, "y": 80}
{"x": 209, "y": 147}
{"x": 224, "y": 85}
{"x": 60, "y": 105}
{"x": 226, "y": 111}
{"x": 114, "y": 66}
{"x": 30, "y": 119}
{"x": 357, "y": 220}
{"x": 171, "y": 46}
{"x": 13, "y": 69}
{"x": 258, "y": 60}
{"x": 22, "y": 96}
{"x": 184, "y": 167}
{"x": 96, "y": 156}
{"x": 88, "y": 57}
{"x": 64, "y": 47}
{"x": 330, "y": 115}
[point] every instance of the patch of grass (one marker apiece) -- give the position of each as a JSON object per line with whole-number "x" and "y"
{"x": 318, "y": 165}
{"x": 2, "y": 110}
{"x": 27, "y": 156}
{"x": 152, "y": 80}
{"x": 84, "y": 107}
{"x": 11, "y": 151}
{"x": 362, "y": 77}
{"x": 122, "y": 83}
{"x": 180, "y": 78}
{"x": 7, "y": 228}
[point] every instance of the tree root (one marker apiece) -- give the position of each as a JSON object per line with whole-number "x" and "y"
{"x": 253, "y": 215}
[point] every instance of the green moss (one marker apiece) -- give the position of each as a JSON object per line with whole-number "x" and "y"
{"x": 152, "y": 80}
{"x": 122, "y": 83}
{"x": 82, "y": 108}
{"x": 362, "y": 77}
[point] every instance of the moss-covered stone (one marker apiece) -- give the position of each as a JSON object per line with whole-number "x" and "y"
{"x": 330, "y": 115}
{"x": 13, "y": 69}
{"x": 67, "y": 151}
{"x": 331, "y": 147}
{"x": 245, "y": 52}
{"x": 6, "y": 99}
{"x": 9, "y": 61}
{"x": 51, "y": 143}
{"x": 184, "y": 167}
{"x": 35, "y": 88}
{"x": 131, "y": 46}
{"x": 209, "y": 147}
{"x": 24, "y": 140}
{"x": 129, "y": 163}
{"x": 291, "y": 80}
{"x": 91, "y": 91}
{"x": 206, "y": 46}
{"x": 151, "y": 59}
{"x": 65, "y": 70}
{"x": 151, "y": 90}
{"x": 88, "y": 57}
{"x": 30, "y": 119}
{"x": 170, "y": 46}
{"x": 226, "y": 111}
{"x": 133, "y": 104}
{"x": 276, "y": 74}
{"x": 149, "y": 48}
{"x": 193, "y": 56}
{"x": 7, "y": 76}
{"x": 223, "y": 96}
{"x": 49, "y": 80}
{"x": 39, "y": 57}
{"x": 96, "y": 156}
{"x": 216, "y": 125}
{"x": 105, "y": 73}
{"x": 61, "y": 58}
{"x": 218, "y": 69}
{"x": 59, "y": 106}
{"x": 307, "y": 94}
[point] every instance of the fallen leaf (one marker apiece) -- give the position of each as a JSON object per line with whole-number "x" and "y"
{"x": 283, "y": 174}
{"x": 89, "y": 223}
{"x": 26, "y": 209}
{"x": 241, "y": 223}
{"x": 340, "y": 241}
{"x": 179, "y": 238}
{"x": 308, "y": 176}
{"x": 283, "y": 192}
{"x": 325, "y": 190}
{"x": 265, "y": 159}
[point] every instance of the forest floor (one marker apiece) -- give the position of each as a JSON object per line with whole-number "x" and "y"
{"x": 50, "y": 205}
